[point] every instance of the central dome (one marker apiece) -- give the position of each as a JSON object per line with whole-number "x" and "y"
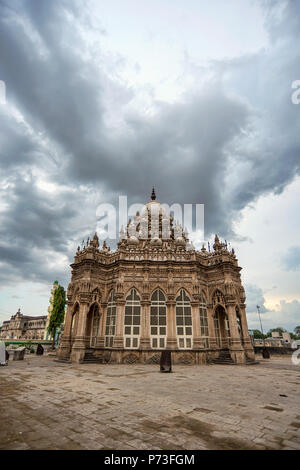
{"x": 154, "y": 222}
{"x": 154, "y": 225}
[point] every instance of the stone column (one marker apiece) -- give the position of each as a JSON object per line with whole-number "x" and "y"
{"x": 119, "y": 337}
{"x": 101, "y": 332}
{"x": 145, "y": 324}
{"x": 171, "y": 325}
{"x": 79, "y": 345}
{"x": 68, "y": 320}
{"x": 236, "y": 348}
{"x": 211, "y": 327}
{"x": 198, "y": 342}
{"x": 65, "y": 342}
{"x": 248, "y": 347}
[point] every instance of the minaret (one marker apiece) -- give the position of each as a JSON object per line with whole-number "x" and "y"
{"x": 153, "y": 195}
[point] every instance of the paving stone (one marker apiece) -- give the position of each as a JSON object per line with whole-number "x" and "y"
{"x": 93, "y": 406}
{"x": 292, "y": 444}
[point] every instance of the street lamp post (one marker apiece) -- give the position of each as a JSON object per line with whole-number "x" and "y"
{"x": 262, "y": 331}
{"x": 265, "y": 353}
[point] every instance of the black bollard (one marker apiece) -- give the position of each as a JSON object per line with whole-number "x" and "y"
{"x": 39, "y": 350}
{"x": 166, "y": 361}
{"x": 265, "y": 353}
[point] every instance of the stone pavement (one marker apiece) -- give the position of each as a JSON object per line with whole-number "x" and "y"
{"x": 49, "y": 405}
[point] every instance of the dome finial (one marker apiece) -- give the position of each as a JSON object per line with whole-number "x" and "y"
{"x": 153, "y": 195}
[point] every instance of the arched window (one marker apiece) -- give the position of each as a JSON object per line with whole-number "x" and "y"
{"x": 217, "y": 329}
{"x": 184, "y": 321}
{"x": 222, "y": 328}
{"x": 203, "y": 320}
{"x": 132, "y": 320}
{"x": 110, "y": 327}
{"x": 158, "y": 320}
{"x": 95, "y": 325}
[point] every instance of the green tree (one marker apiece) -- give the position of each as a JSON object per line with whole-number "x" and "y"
{"x": 257, "y": 334}
{"x": 58, "y": 312}
{"x": 297, "y": 330}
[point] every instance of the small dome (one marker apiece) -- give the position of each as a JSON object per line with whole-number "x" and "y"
{"x": 132, "y": 240}
{"x": 156, "y": 241}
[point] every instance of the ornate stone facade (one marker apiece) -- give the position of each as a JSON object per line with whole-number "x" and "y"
{"x": 155, "y": 292}
{"x": 23, "y": 327}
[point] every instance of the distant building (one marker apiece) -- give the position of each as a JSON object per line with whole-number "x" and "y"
{"x": 276, "y": 340}
{"x": 23, "y": 327}
{"x": 287, "y": 337}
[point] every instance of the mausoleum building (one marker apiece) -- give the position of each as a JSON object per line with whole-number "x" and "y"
{"x": 155, "y": 292}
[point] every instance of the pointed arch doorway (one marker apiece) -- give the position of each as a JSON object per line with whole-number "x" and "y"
{"x": 222, "y": 330}
{"x": 93, "y": 325}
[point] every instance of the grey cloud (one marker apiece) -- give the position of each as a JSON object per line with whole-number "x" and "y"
{"x": 36, "y": 231}
{"x": 282, "y": 21}
{"x": 286, "y": 315}
{"x": 290, "y": 260}
{"x": 17, "y": 147}
{"x": 183, "y": 143}
{"x": 181, "y": 150}
{"x": 254, "y": 297}
{"x": 56, "y": 89}
{"x": 210, "y": 147}
{"x": 291, "y": 309}
{"x": 34, "y": 218}
{"x": 268, "y": 158}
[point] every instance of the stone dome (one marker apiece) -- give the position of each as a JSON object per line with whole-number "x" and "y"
{"x": 156, "y": 241}
{"x": 133, "y": 240}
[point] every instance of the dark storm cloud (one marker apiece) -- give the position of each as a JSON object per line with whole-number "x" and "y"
{"x": 180, "y": 150}
{"x": 35, "y": 218}
{"x": 61, "y": 93}
{"x": 17, "y": 146}
{"x": 46, "y": 76}
{"x": 268, "y": 157}
{"x": 212, "y": 146}
{"x": 35, "y": 269}
{"x": 34, "y": 229}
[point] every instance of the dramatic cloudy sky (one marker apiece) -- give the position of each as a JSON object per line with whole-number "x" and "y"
{"x": 109, "y": 98}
